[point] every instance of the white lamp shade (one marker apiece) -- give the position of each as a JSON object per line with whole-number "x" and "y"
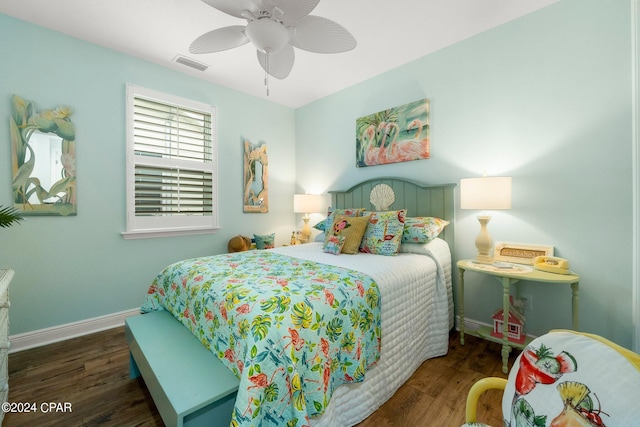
{"x": 308, "y": 203}
{"x": 488, "y": 193}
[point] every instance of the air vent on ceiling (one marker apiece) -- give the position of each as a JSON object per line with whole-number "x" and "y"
{"x": 190, "y": 63}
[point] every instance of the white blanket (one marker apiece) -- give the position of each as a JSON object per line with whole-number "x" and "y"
{"x": 417, "y": 314}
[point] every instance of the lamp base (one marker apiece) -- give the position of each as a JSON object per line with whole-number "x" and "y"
{"x": 305, "y": 234}
{"x": 304, "y": 238}
{"x": 484, "y": 242}
{"x": 484, "y": 259}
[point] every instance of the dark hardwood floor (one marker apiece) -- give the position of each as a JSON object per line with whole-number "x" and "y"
{"x": 91, "y": 376}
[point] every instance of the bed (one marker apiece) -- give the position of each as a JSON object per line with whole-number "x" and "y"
{"x": 360, "y": 326}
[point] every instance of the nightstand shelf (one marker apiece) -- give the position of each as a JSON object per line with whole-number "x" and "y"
{"x": 509, "y": 278}
{"x": 485, "y": 333}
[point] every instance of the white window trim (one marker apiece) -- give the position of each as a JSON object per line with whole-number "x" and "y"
{"x": 167, "y": 226}
{"x": 635, "y": 171}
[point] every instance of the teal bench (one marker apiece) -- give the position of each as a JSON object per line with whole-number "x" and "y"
{"x": 189, "y": 385}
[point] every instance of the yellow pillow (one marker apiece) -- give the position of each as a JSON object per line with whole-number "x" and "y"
{"x": 352, "y": 228}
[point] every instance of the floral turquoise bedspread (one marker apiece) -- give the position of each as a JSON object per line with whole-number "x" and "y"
{"x": 291, "y": 330}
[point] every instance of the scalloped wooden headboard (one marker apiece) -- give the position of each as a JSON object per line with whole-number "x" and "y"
{"x": 419, "y": 200}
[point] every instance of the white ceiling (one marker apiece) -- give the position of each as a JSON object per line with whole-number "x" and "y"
{"x": 389, "y": 34}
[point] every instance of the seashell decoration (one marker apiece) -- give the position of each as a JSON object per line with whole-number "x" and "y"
{"x": 381, "y": 197}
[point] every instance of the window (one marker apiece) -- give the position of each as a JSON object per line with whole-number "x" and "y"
{"x": 171, "y": 165}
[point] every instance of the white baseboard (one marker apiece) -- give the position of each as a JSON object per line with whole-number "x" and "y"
{"x": 46, "y": 336}
{"x": 470, "y": 324}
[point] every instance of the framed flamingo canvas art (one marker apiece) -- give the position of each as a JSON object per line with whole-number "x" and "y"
{"x": 399, "y": 134}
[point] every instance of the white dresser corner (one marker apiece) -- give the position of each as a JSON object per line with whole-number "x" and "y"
{"x": 5, "y": 278}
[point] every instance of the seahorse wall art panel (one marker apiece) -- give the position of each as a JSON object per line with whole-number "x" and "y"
{"x": 399, "y": 134}
{"x": 256, "y": 177}
{"x": 43, "y": 159}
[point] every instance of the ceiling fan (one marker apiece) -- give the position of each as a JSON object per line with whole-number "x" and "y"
{"x": 275, "y": 27}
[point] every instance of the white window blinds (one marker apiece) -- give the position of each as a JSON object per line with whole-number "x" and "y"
{"x": 171, "y": 163}
{"x": 169, "y": 191}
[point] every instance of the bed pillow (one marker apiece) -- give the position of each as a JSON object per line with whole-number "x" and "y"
{"x": 384, "y": 232}
{"x": 331, "y": 216}
{"x": 321, "y": 225}
{"x": 437, "y": 245}
{"x": 266, "y": 241}
{"x": 352, "y": 228}
{"x": 334, "y": 244}
{"x": 422, "y": 229}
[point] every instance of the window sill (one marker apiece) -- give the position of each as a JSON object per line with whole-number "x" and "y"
{"x": 150, "y": 234}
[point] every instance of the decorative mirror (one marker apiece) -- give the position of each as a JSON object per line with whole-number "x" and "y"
{"x": 43, "y": 159}
{"x": 256, "y": 177}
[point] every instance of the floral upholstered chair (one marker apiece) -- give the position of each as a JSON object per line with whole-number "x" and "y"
{"x": 567, "y": 379}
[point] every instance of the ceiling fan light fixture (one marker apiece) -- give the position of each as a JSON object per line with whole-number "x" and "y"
{"x": 267, "y": 35}
{"x": 275, "y": 27}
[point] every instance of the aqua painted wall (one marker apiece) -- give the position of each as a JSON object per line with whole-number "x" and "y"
{"x": 76, "y": 268}
{"x": 545, "y": 99}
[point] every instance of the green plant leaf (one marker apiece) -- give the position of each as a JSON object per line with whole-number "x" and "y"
{"x": 260, "y": 327}
{"x": 302, "y": 315}
{"x": 9, "y": 216}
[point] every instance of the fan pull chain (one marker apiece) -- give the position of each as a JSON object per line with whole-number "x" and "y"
{"x": 266, "y": 72}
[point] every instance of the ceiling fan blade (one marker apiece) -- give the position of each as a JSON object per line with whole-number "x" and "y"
{"x": 293, "y": 10}
{"x": 233, "y": 7}
{"x": 280, "y": 63}
{"x": 219, "y": 40}
{"x": 322, "y": 35}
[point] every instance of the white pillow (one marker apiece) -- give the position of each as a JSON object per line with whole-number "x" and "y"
{"x": 434, "y": 246}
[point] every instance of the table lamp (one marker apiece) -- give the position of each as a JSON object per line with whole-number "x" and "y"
{"x": 487, "y": 193}
{"x": 306, "y": 204}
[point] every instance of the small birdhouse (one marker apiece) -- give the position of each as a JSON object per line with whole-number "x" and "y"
{"x": 515, "y": 325}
